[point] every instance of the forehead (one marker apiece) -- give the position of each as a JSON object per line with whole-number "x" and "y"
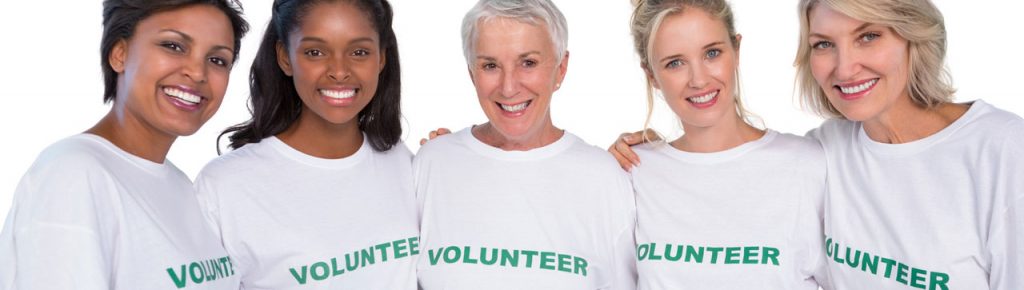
{"x": 504, "y": 34}
{"x": 825, "y": 20}
{"x": 336, "y": 19}
{"x": 201, "y": 22}
{"x": 693, "y": 27}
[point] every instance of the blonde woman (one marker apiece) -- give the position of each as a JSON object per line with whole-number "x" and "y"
{"x": 727, "y": 205}
{"x": 923, "y": 192}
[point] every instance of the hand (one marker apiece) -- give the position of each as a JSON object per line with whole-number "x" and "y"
{"x": 434, "y": 134}
{"x": 624, "y": 154}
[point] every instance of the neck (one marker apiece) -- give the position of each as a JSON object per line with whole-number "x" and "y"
{"x": 906, "y": 121}
{"x": 719, "y": 137}
{"x": 314, "y": 136}
{"x": 133, "y": 135}
{"x": 487, "y": 134}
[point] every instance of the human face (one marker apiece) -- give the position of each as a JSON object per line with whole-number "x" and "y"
{"x": 515, "y": 71}
{"x": 173, "y": 71}
{"x": 862, "y": 67}
{"x": 694, "y": 65}
{"x": 335, "y": 60}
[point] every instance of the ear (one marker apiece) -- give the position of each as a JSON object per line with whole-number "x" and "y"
{"x": 282, "y": 59}
{"x": 469, "y": 71}
{"x": 739, "y": 38}
{"x": 383, "y": 60}
{"x": 118, "y": 55}
{"x": 650, "y": 76}
{"x": 562, "y": 68}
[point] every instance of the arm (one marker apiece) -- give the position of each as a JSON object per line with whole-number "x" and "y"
{"x": 1006, "y": 238}
{"x": 621, "y": 148}
{"x": 58, "y": 234}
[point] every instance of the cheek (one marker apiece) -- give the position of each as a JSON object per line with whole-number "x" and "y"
{"x": 219, "y": 81}
{"x": 821, "y": 67}
{"x": 485, "y": 84}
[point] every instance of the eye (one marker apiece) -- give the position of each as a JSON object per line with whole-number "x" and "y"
{"x": 713, "y": 53}
{"x": 869, "y": 36}
{"x": 529, "y": 63}
{"x": 219, "y": 61}
{"x": 361, "y": 52}
{"x": 489, "y": 66}
{"x": 313, "y": 52}
{"x": 674, "y": 63}
{"x": 822, "y": 44}
{"x": 173, "y": 46}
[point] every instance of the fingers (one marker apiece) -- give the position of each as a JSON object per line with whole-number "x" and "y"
{"x": 649, "y": 135}
{"x": 434, "y": 134}
{"x": 623, "y": 162}
{"x": 622, "y": 147}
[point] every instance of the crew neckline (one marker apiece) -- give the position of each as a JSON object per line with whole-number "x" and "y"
{"x": 539, "y": 153}
{"x": 976, "y": 108}
{"x": 328, "y": 163}
{"x": 720, "y": 156}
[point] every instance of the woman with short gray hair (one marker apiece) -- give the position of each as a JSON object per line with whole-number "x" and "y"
{"x": 517, "y": 203}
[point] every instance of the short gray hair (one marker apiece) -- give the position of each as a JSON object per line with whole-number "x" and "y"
{"x": 533, "y": 12}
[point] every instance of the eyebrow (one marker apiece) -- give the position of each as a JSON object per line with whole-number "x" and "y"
{"x": 709, "y": 45}
{"x": 522, "y": 55}
{"x": 189, "y": 40}
{"x": 860, "y": 28}
{"x": 321, "y": 40}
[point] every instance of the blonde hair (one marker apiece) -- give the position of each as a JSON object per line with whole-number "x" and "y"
{"x": 648, "y": 15}
{"x": 918, "y": 21}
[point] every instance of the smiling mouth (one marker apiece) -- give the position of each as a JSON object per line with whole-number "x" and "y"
{"x": 856, "y": 89}
{"x": 183, "y": 95}
{"x": 703, "y": 99}
{"x": 340, "y": 95}
{"x": 516, "y": 108}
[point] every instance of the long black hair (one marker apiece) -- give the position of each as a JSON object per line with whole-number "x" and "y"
{"x": 275, "y": 104}
{"x": 121, "y": 16}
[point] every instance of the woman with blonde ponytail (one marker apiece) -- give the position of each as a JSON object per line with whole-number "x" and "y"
{"x": 727, "y": 205}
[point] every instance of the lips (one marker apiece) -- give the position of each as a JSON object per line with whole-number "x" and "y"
{"x": 704, "y": 100}
{"x": 854, "y": 90}
{"x": 183, "y": 98}
{"x": 343, "y": 96}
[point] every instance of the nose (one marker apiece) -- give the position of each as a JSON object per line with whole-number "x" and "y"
{"x": 338, "y": 69}
{"x": 698, "y": 76}
{"x": 510, "y": 86}
{"x": 195, "y": 70}
{"x": 848, "y": 63}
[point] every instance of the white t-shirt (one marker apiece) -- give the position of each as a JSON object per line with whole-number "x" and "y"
{"x": 943, "y": 212}
{"x": 294, "y": 221}
{"x": 88, "y": 215}
{"x": 556, "y": 217}
{"x": 745, "y": 218}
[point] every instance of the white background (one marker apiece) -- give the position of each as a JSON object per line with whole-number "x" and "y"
{"x": 52, "y": 85}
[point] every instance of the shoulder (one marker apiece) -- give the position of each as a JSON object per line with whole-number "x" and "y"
{"x": 238, "y": 161}
{"x": 799, "y": 145}
{"x": 833, "y": 130}
{"x": 594, "y": 160}
{"x": 442, "y": 146}
{"x": 69, "y": 175}
{"x": 994, "y": 124}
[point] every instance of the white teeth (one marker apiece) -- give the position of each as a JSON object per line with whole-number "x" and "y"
{"x": 514, "y": 108}
{"x": 339, "y": 94}
{"x": 703, "y": 99}
{"x": 858, "y": 88}
{"x": 182, "y": 95}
